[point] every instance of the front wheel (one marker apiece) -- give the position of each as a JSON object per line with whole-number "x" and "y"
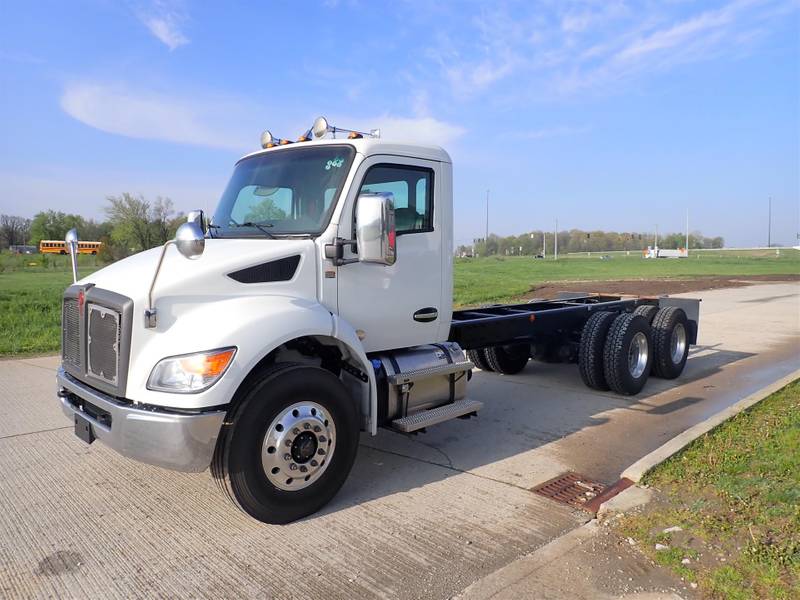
{"x": 289, "y": 445}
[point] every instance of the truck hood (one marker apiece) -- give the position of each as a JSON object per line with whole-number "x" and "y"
{"x": 208, "y": 275}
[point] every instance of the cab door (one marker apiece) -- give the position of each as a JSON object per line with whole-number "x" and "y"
{"x": 396, "y": 306}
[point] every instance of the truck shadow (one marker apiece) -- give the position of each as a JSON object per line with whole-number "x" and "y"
{"x": 522, "y": 416}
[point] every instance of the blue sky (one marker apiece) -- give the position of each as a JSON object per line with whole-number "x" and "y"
{"x": 603, "y": 114}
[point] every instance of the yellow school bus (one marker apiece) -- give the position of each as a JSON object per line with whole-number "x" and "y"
{"x": 60, "y": 247}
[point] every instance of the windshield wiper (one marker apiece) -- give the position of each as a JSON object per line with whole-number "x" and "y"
{"x": 262, "y": 227}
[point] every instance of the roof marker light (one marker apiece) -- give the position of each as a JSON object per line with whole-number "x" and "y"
{"x": 321, "y": 128}
{"x": 267, "y": 141}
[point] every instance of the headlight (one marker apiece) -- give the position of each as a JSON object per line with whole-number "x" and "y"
{"x": 190, "y": 373}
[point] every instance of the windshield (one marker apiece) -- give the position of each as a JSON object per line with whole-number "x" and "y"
{"x": 291, "y": 191}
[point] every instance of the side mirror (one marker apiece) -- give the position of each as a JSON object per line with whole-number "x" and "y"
{"x": 199, "y": 217}
{"x": 375, "y": 230}
{"x": 190, "y": 240}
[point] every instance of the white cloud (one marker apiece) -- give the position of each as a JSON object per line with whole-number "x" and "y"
{"x": 164, "y": 20}
{"x": 571, "y": 47}
{"x": 688, "y": 31}
{"x": 167, "y": 32}
{"x": 212, "y": 122}
{"x": 218, "y": 122}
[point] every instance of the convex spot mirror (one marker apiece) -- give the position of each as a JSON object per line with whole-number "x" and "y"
{"x": 375, "y": 229}
{"x": 190, "y": 240}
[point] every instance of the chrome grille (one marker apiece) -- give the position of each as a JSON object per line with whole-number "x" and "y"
{"x": 103, "y": 343}
{"x": 70, "y": 333}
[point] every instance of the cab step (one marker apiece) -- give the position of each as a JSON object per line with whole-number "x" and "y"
{"x": 440, "y": 414}
{"x": 445, "y": 369}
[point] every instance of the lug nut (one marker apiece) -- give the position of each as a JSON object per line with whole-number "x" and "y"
{"x": 295, "y": 431}
{"x": 313, "y": 463}
{"x": 303, "y": 469}
{"x": 287, "y": 457}
{"x": 293, "y": 467}
{"x": 306, "y": 426}
{"x": 317, "y": 429}
{"x": 288, "y": 442}
{"x": 322, "y": 438}
{"x": 320, "y": 451}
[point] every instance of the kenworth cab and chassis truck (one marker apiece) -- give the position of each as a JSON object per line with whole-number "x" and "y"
{"x": 317, "y": 304}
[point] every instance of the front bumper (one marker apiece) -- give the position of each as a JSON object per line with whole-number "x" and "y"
{"x": 183, "y": 442}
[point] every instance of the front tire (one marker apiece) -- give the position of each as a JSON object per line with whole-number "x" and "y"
{"x": 289, "y": 445}
{"x": 627, "y": 355}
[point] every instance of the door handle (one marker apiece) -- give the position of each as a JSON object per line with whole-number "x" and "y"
{"x": 426, "y": 315}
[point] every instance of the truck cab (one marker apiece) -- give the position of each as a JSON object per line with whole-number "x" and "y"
{"x": 316, "y": 303}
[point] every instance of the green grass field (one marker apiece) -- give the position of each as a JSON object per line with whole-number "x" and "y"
{"x": 735, "y": 494}
{"x": 30, "y": 301}
{"x": 498, "y": 279}
{"x": 31, "y": 286}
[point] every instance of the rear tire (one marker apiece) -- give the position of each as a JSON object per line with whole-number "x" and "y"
{"x": 478, "y": 358}
{"x": 648, "y": 311}
{"x": 250, "y": 461}
{"x": 627, "y": 354}
{"x": 590, "y": 353}
{"x": 509, "y": 359}
{"x": 670, "y": 342}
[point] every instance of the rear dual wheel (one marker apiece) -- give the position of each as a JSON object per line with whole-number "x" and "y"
{"x": 670, "y": 342}
{"x": 508, "y": 359}
{"x": 477, "y": 358}
{"x": 614, "y": 352}
{"x": 627, "y": 355}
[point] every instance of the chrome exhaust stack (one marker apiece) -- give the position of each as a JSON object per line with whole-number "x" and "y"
{"x": 71, "y": 240}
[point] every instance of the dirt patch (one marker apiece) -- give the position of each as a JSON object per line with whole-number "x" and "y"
{"x": 653, "y": 287}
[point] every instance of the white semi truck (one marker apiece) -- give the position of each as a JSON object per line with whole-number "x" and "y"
{"x": 317, "y": 304}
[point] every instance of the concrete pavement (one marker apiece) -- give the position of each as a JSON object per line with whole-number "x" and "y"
{"x": 422, "y": 516}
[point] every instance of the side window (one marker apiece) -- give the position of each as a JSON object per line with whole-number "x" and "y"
{"x": 411, "y": 186}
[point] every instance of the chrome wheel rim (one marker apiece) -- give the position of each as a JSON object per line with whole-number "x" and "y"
{"x": 298, "y": 446}
{"x": 637, "y": 355}
{"x": 677, "y": 343}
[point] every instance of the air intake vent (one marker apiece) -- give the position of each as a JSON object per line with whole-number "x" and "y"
{"x": 276, "y": 270}
{"x": 103, "y": 352}
{"x": 70, "y": 333}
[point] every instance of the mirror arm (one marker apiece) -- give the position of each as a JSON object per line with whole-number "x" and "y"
{"x": 335, "y": 251}
{"x": 150, "y": 312}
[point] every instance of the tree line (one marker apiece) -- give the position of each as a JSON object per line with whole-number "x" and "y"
{"x": 132, "y": 224}
{"x": 577, "y": 240}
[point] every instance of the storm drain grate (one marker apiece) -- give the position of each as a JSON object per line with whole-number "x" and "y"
{"x": 570, "y": 488}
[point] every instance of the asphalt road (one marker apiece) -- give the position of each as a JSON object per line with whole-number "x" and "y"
{"x": 419, "y": 517}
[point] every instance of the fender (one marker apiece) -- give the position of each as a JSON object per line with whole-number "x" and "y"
{"x": 255, "y": 325}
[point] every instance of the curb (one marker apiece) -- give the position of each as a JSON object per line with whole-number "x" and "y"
{"x": 637, "y": 470}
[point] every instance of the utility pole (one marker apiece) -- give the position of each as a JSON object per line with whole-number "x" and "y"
{"x": 556, "y": 242}
{"x": 487, "y": 216}
{"x": 687, "y": 231}
{"x": 769, "y": 224}
{"x": 656, "y": 239}
{"x": 544, "y": 244}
